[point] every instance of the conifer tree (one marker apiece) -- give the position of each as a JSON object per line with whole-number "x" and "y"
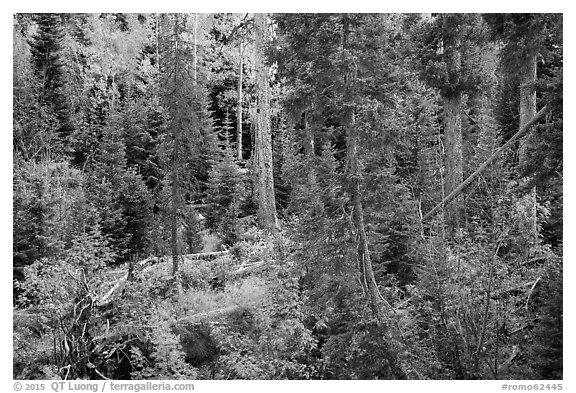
{"x": 47, "y": 57}
{"x": 34, "y": 122}
{"x": 359, "y": 122}
{"x": 189, "y": 140}
{"x": 224, "y": 190}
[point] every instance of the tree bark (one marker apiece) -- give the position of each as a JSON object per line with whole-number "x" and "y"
{"x": 528, "y": 111}
{"x": 527, "y": 102}
{"x": 454, "y": 212}
{"x": 263, "y": 139}
{"x": 239, "y": 104}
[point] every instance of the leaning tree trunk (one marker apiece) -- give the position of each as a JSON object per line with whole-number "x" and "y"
{"x": 454, "y": 212}
{"x": 447, "y": 199}
{"x": 263, "y": 140}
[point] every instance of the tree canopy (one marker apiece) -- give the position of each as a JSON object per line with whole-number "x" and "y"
{"x": 287, "y": 196}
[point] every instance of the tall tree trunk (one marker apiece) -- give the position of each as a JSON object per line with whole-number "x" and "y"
{"x": 528, "y": 111}
{"x": 454, "y": 212}
{"x": 239, "y": 105}
{"x": 263, "y": 139}
{"x": 174, "y": 166}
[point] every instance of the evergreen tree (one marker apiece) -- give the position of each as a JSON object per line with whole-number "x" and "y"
{"x": 46, "y": 50}
{"x": 190, "y": 139}
{"x": 34, "y": 121}
{"x": 360, "y": 123}
{"x": 224, "y": 191}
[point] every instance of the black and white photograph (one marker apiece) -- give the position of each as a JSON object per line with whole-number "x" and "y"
{"x": 286, "y": 196}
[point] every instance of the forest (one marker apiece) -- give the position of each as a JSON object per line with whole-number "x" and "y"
{"x": 287, "y": 196}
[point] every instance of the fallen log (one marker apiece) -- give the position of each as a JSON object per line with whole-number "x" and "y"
{"x": 204, "y": 255}
{"x": 111, "y": 294}
{"x": 247, "y": 269}
{"x": 116, "y": 290}
{"x": 203, "y": 316}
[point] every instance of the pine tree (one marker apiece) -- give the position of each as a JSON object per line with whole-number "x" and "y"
{"x": 224, "y": 191}
{"x": 47, "y": 57}
{"x": 136, "y": 202}
{"x": 189, "y": 140}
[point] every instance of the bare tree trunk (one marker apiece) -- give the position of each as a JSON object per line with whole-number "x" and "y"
{"x": 263, "y": 139}
{"x": 454, "y": 212}
{"x": 239, "y": 104}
